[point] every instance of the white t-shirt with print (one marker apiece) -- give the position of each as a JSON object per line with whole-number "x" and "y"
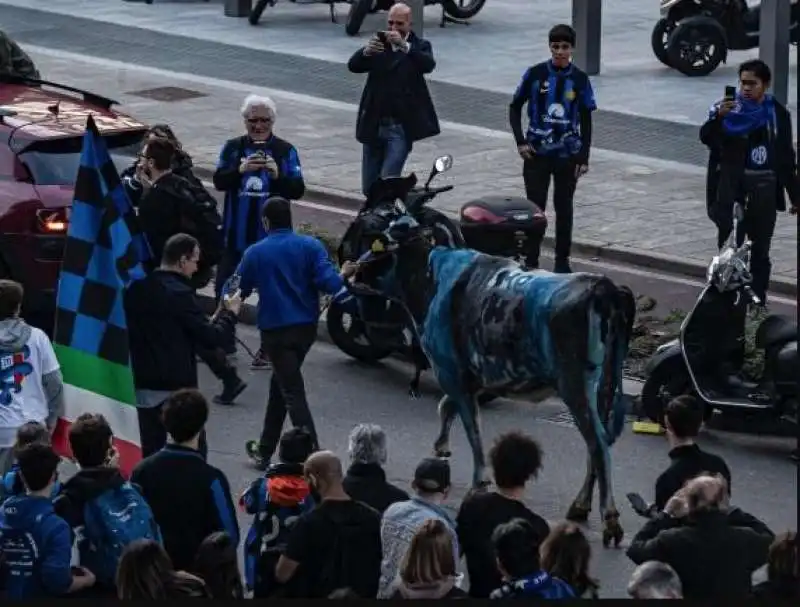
{"x": 22, "y": 397}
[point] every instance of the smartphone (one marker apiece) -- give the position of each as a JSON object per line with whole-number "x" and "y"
{"x": 638, "y": 504}
{"x": 730, "y": 93}
{"x": 382, "y": 37}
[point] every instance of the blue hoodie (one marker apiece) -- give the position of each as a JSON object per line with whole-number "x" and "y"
{"x": 37, "y": 547}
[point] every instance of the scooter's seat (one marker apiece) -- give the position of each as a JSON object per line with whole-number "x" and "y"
{"x": 775, "y": 330}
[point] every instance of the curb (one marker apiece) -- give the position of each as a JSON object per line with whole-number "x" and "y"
{"x": 594, "y": 249}
{"x": 248, "y": 314}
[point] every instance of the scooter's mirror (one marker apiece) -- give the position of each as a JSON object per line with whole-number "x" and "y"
{"x": 443, "y": 163}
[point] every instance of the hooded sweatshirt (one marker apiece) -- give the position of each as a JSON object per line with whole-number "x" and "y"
{"x": 31, "y": 388}
{"x": 37, "y": 548}
{"x": 277, "y": 500}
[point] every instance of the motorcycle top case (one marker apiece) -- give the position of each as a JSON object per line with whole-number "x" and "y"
{"x": 497, "y": 236}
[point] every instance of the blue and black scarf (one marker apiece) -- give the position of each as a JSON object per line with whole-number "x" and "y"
{"x": 748, "y": 116}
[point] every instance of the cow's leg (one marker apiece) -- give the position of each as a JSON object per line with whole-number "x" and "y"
{"x": 582, "y": 506}
{"x": 470, "y": 418}
{"x": 612, "y": 530}
{"x": 447, "y": 414}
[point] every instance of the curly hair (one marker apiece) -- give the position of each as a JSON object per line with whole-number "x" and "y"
{"x": 515, "y": 458}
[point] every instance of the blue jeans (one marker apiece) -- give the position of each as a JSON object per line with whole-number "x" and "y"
{"x": 386, "y": 157}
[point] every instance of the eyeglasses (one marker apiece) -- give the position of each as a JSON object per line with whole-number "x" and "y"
{"x": 259, "y": 120}
{"x": 560, "y": 47}
{"x": 393, "y": 22}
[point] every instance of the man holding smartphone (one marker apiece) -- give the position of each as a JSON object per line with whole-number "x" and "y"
{"x": 396, "y": 108}
{"x": 751, "y": 155}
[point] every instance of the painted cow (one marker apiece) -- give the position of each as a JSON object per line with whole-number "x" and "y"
{"x": 490, "y": 326}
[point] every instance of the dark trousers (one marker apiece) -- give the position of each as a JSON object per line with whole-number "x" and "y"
{"x": 287, "y": 348}
{"x": 217, "y": 361}
{"x": 760, "y": 216}
{"x": 153, "y": 435}
{"x": 537, "y": 174}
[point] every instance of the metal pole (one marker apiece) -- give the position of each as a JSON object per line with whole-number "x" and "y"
{"x": 588, "y": 24}
{"x": 774, "y": 44}
{"x": 417, "y": 15}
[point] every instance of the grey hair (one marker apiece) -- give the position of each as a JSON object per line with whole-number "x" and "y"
{"x": 253, "y": 101}
{"x": 367, "y": 444}
{"x": 655, "y": 580}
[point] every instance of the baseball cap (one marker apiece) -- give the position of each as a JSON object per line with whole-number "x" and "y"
{"x": 432, "y": 475}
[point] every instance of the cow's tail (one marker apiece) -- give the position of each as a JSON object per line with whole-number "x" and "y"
{"x": 616, "y": 308}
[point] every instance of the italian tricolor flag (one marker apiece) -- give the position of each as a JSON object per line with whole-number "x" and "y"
{"x": 94, "y": 385}
{"x": 103, "y": 254}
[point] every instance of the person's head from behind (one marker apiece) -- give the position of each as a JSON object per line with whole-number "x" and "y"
{"x": 145, "y": 571}
{"x": 683, "y": 418}
{"x": 429, "y": 558}
{"x": 295, "y": 446}
{"x": 565, "y": 554}
{"x": 157, "y": 156}
{"x": 181, "y": 254}
{"x": 432, "y": 479}
{"x": 277, "y": 214}
{"x": 399, "y": 18}
{"x": 259, "y": 114}
{"x": 655, "y": 580}
{"x": 11, "y": 295}
{"x": 29, "y": 433}
{"x": 91, "y": 440}
{"x": 184, "y": 415}
{"x": 705, "y": 494}
{"x": 516, "y": 549}
{"x": 782, "y": 562}
{"x": 163, "y": 131}
{"x": 561, "y": 39}
{"x": 217, "y": 564}
{"x": 367, "y": 445}
{"x": 38, "y": 465}
{"x": 515, "y": 459}
{"x": 754, "y": 79}
{"x": 324, "y": 474}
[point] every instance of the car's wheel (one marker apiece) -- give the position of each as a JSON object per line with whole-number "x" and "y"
{"x": 348, "y": 334}
{"x": 659, "y": 39}
{"x": 359, "y": 9}
{"x": 696, "y": 50}
{"x": 463, "y": 9}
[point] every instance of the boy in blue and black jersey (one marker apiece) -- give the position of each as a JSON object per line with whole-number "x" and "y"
{"x": 556, "y": 145}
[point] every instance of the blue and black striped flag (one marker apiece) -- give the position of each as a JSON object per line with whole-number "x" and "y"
{"x": 104, "y": 253}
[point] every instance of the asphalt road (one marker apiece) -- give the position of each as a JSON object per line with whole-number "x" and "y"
{"x": 343, "y": 393}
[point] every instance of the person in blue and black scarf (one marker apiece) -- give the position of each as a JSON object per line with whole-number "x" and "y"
{"x": 560, "y": 102}
{"x": 749, "y": 135}
{"x": 251, "y": 169}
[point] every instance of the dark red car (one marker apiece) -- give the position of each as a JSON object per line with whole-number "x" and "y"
{"x": 41, "y": 132}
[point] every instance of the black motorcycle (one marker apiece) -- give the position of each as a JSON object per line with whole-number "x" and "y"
{"x": 694, "y": 36}
{"x": 705, "y": 360}
{"x": 453, "y": 11}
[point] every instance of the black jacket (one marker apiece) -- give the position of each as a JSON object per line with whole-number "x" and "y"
{"x": 688, "y": 461}
{"x": 190, "y": 500}
{"x": 711, "y": 135}
{"x": 715, "y": 555}
{"x": 165, "y": 326}
{"x": 404, "y": 75}
{"x": 366, "y": 483}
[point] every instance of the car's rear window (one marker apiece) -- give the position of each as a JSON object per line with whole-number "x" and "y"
{"x": 61, "y": 168}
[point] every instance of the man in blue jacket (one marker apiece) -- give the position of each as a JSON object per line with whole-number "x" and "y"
{"x": 36, "y": 543}
{"x": 288, "y": 270}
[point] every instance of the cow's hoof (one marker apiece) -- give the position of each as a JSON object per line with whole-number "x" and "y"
{"x": 414, "y": 393}
{"x": 443, "y": 452}
{"x": 578, "y": 513}
{"x": 612, "y": 530}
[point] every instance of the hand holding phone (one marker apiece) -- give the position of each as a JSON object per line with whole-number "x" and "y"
{"x": 638, "y": 504}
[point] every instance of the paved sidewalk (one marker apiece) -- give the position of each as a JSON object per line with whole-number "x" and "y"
{"x": 626, "y": 203}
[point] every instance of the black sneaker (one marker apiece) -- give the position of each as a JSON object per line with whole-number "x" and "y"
{"x": 261, "y": 362}
{"x": 253, "y": 451}
{"x": 230, "y": 392}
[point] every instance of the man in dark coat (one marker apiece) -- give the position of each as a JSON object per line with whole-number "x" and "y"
{"x": 396, "y": 108}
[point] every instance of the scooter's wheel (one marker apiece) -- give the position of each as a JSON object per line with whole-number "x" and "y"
{"x": 463, "y": 9}
{"x": 665, "y": 382}
{"x": 359, "y": 9}
{"x": 347, "y": 333}
{"x": 696, "y": 50}
{"x": 659, "y": 39}
{"x": 257, "y": 11}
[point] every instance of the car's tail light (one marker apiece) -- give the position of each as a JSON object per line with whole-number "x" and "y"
{"x": 480, "y": 215}
{"x": 52, "y": 221}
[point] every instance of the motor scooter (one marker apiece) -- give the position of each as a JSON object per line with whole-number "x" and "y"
{"x": 706, "y": 357}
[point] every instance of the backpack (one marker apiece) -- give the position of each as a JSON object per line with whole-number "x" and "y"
{"x": 112, "y": 520}
{"x": 202, "y": 220}
{"x": 26, "y": 555}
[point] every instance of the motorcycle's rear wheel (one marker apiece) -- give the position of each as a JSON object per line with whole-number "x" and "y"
{"x": 352, "y": 339}
{"x": 359, "y": 9}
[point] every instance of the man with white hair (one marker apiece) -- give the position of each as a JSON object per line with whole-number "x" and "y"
{"x": 655, "y": 580}
{"x": 252, "y": 168}
{"x": 366, "y": 478}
